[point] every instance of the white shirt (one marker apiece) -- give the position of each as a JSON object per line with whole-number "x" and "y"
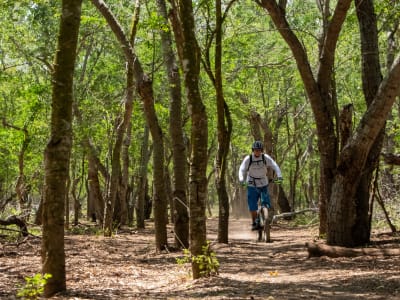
{"x": 257, "y": 173}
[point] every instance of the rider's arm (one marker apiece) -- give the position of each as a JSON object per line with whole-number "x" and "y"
{"x": 243, "y": 168}
{"x": 271, "y": 163}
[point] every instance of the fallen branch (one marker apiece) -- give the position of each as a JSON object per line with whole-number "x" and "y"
{"x": 318, "y": 250}
{"x": 391, "y": 158}
{"x": 293, "y": 213}
{"x": 14, "y": 220}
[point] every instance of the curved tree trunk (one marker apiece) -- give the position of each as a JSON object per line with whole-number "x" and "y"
{"x": 145, "y": 90}
{"x": 58, "y": 150}
{"x": 318, "y": 90}
{"x": 342, "y": 216}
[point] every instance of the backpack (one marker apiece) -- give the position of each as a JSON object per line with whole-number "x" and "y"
{"x": 251, "y": 160}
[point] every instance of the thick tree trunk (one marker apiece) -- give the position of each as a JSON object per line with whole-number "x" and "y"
{"x": 318, "y": 90}
{"x": 58, "y": 149}
{"x": 371, "y": 77}
{"x": 342, "y": 215}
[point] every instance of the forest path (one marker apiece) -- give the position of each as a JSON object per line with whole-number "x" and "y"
{"x": 127, "y": 267}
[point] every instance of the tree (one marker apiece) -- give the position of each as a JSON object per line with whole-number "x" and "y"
{"x": 58, "y": 149}
{"x": 179, "y": 155}
{"x": 339, "y": 177}
{"x": 145, "y": 90}
{"x": 224, "y": 119}
{"x": 199, "y": 135}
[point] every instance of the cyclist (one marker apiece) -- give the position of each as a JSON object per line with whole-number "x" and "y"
{"x": 255, "y": 165}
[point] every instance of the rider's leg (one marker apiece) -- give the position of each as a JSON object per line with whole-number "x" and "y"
{"x": 252, "y": 199}
{"x": 265, "y": 199}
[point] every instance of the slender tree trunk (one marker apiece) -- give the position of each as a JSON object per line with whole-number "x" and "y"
{"x": 113, "y": 187}
{"x": 75, "y": 198}
{"x": 95, "y": 198}
{"x": 179, "y": 155}
{"x": 66, "y": 204}
{"x": 21, "y": 186}
{"x": 224, "y": 127}
{"x": 145, "y": 90}
{"x": 123, "y": 190}
{"x": 142, "y": 180}
{"x": 58, "y": 150}
{"x": 199, "y": 138}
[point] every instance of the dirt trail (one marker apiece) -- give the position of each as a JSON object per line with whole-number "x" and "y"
{"x": 127, "y": 267}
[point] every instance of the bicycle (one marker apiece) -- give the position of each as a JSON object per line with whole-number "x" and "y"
{"x": 263, "y": 215}
{"x": 264, "y": 227}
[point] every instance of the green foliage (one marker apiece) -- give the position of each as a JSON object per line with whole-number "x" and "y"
{"x": 207, "y": 261}
{"x": 86, "y": 230}
{"x": 34, "y": 286}
{"x": 306, "y": 219}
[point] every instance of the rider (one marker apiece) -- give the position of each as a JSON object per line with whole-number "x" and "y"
{"x": 255, "y": 165}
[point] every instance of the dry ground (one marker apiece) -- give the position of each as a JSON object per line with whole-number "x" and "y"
{"x": 127, "y": 267}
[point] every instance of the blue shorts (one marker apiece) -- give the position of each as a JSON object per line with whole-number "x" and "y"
{"x": 255, "y": 193}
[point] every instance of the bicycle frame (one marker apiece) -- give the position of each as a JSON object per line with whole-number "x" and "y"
{"x": 264, "y": 231}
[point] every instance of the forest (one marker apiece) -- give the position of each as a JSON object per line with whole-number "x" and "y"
{"x": 128, "y": 121}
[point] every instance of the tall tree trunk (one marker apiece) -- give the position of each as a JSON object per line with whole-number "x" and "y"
{"x": 75, "y": 198}
{"x": 224, "y": 127}
{"x": 95, "y": 199}
{"x": 179, "y": 155}
{"x": 318, "y": 90}
{"x": 142, "y": 179}
{"x": 21, "y": 186}
{"x": 145, "y": 90}
{"x": 124, "y": 181}
{"x": 114, "y": 185}
{"x": 199, "y": 137}
{"x": 371, "y": 78}
{"x": 342, "y": 216}
{"x": 58, "y": 150}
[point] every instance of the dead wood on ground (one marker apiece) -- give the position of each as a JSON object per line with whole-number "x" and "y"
{"x": 14, "y": 220}
{"x": 318, "y": 250}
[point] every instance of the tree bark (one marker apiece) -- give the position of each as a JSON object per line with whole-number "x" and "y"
{"x": 342, "y": 212}
{"x": 224, "y": 127}
{"x": 145, "y": 90}
{"x": 179, "y": 155}
{"x": 318, "y": 90}
{"x": 142, "y": 180}
{"x": 199, "y": 137}
{"x": 58, "y": 150}
{"x": 94, "y": 199}
{"x": 371, "y": 78}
